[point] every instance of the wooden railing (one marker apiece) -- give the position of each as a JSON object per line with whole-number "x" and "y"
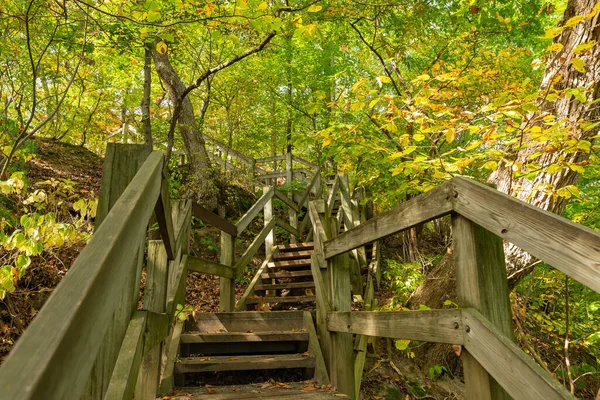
{"x": 494, "y": 366}
{"x": 90, "y": 340}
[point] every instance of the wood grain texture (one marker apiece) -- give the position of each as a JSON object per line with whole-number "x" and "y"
{"x": 255, "y": 280}
{"x": 313, "y": 182}
{"x": 213, "y": 219}
{"x": 314, "y": 348}
{"x": 125, "y": 375}
{"x": 286, "y": 200}
{"x": 428, "y": 325}
{"x": 256, "y": 208}
{"x": 305, "y": 162}
{"x": 433, "y": 204}
{"x": 227, "y": 284}
{"x": 284, "y": 225}
{"x": 571, "y": 248}
{"x": 53, "y": 358}
{"x": 231, "y": 337}
{"x": 243, "y": 363}
{"x": 172, "y": 349}
{"x": 162, "y": 210}
{"x": 481, "y": 284}
{"x": 518, "y": 374}
{"x": 210, "y": 267}
{"x": 254, "y": 246}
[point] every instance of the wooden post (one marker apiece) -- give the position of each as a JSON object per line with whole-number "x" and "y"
{"x": 121, "y": 163}
{"x": 227, "y": 285}
{"x": 252, "y": 174}
{"x": 155, "y": 299}
{"x": 481, "y": 284}
{"x": 342, "y": 343}
{"x": 268, "y": 216}
{"x": 289, "y": 174}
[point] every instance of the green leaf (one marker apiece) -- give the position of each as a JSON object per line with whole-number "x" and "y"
{"x": 153, "y": 16}
{"x": 402, "y": 344}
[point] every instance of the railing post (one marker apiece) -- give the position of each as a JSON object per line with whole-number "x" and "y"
{"x": 121, "y": 163}
{"x": 289, "y": 174}
{"x": 268, "y": 216}
{"x": 481, "y": 284}
{"x": 227, "y": 285}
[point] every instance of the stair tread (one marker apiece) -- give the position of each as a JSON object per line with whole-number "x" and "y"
{"x": 296, "y": 246}
{"x": 284, "y": 299}
{"x": 267, "y": 390}
{"x": 223, "y": 337}
{"x": 286, "y": 274}
{"x": 290, "y": 264}
{"x": 291, "y": 255}
{"x": 294, "y": 285}
{"x": 244, "y": 363}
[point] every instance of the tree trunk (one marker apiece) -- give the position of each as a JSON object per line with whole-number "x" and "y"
{"x": 541, "y": 190}
{"x": 146, "y": 123}
{"x": 203, "y": 177}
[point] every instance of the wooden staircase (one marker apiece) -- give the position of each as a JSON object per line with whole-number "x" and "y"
{"x": 288, "y": 279}
{"x": 241, "y": 348}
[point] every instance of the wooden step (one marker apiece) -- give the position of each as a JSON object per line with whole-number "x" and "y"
{"x": 230, "y": 337}
{"x": 290, "y": 264}
{"x": 296, "y": 247}
{"x": 245, "y": 321}
{"x": 243, "y": 363}
{"x": 277, "y": 299}
{"x": 267, "y": 390}
{"x": 293, "y": 255}
{"x": 276, "y": 286}
{"x": 286, "y": 274}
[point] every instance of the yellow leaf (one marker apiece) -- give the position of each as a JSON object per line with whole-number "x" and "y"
{"x": 357, "y": 106}
{"x": 555, "y": 47}
{"x": 315, "y": 8}
{"x": 373, "y": 102}
{"x": 553, "y": 32}
{"x": 385, "y": 79}
{"x": 418, "y": 137}
{"x": 491, "y": 165}
{"x": 262, "y": 6}
{"x": 584, "y": 47}
{"x": 450, "y": 135}
{"x": 421, "y": 78}
{"x": 161, "y": 47}
{"x": 208, "y": 9}
{"x": 574, "y": 21}
{"x": 327, "y": 141}
{"x": 579, "y": 64}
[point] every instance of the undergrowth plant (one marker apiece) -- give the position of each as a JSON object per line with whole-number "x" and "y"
{"x": 38, "y": 220}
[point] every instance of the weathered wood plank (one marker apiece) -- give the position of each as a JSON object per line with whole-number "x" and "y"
{"x": 243, "y": 363}
{"x": 305, "y": 162}
{"x": 286, "y": 200}
{"x": 271, "y": 158}
{"x": 433, "y": 204}
{"x": 284, "y": 225}
{"x": 183, "y": 225}
{"x": 277, "y": 286}
{"x": 543, "y": 234}
{"x": 279, "y": 299}
{"x": 255, "y": 280}
{"x": 314, "y": 348}
{"x": 254, "y": 210}
{"x": 313, "y": 182}
{"x": 125, "y": 374}
{"x": 332, "y": 196}
{"x": 428, "y": 326}
{"x": 177, "y": 277}
{"x": 254, "y": 246}
{"x": 481, "y": 284}
{"x": 196, "y": 264}
{"x": 227, "y": 284}
{"x": 363, "y": 340}
{"x": 285, "y": 274}
{"x": 213, "y": 219}
{"x": 518, "y": 374}
{"x": 53, "y": 358}
{"x": 157, "y": 329}
{"x": 162, "y": 211}
{"x": 167, "y": 379}
{"x": 155, "y": 299}
{"x": 231, "y": 337}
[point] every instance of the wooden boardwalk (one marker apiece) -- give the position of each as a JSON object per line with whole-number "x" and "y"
{"x": 91, "y": 341}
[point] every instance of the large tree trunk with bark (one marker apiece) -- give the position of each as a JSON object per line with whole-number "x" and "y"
{"x": 203, "y": 177}
{"x": 561, "y": 75}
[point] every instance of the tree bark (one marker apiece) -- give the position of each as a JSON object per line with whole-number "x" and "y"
{"x": 203, "y": 177}
{"x": 145, "y": 106}
{"x": 541, "y": 190}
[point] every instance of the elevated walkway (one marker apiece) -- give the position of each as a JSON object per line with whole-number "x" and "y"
{"x": 91, "y": 340}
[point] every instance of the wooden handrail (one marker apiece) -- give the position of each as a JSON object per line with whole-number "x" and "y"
{"x": 254, "y": 246}
{"x": 569, "y": 247}
{"x": 284, "y": 198}
{"x": 256, "y": 208}
{"x": 441, "y": 326}
{"x": 313, "y": 182}
{"x": 213, "y": 219}
{"x": 269, "y": 159}
{"x": 53, "y": 358}
{"x": 305, "y": 162}
{"x": 210, "y": 267}
{"x": 433, "y": 204}
{"x": 257, "y": 277}
{"x": 514, "y": 370}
